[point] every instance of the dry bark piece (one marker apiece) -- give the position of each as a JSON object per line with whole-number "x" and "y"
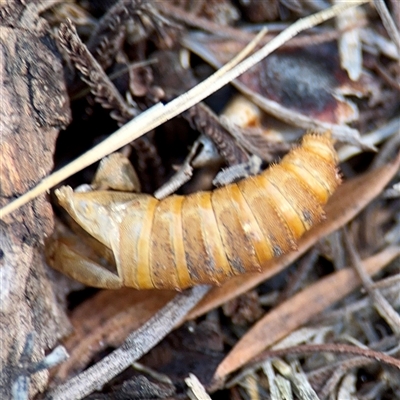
{"x": 34, "y": 107}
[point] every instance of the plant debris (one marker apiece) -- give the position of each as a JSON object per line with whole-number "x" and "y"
{"x": 320, "y": 322}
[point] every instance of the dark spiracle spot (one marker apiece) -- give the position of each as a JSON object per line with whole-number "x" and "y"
{"x": 277, "y": 251}
{"x": 307, "y": 216}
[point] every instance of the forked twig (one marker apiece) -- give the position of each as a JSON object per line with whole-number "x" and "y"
{"x": 161, "y": 113}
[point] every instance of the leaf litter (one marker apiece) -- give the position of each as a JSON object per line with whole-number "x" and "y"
{"x": 325, "y": 337}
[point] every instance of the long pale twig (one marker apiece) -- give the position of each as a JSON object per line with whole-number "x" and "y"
{"x": 161, "y": 113}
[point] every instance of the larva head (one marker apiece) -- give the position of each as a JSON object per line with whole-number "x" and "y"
{"x": 321, "y": 145}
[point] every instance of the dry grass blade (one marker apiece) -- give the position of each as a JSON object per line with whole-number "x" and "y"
{"x": 345, "y": 204}
{"x": 135, "y": 346}
{"x": 372, "y": 138}
{"x": 298, "y": 379}
{"x": 297, "y": 311}
{"x": 160, "y": 113}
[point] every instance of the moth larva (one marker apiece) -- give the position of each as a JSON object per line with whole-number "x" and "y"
{"x": 205, "y": 237}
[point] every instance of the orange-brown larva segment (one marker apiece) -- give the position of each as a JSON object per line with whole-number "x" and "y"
{"x": 132, "y": 245}
{"x": 205, "y": 255}
{"x": 275, "y": 232}
{"x": 317, "y": 174}
{"x": 167, "y": 256}
{"x": 298, "y": 207}
{"x": 243, "y": 241}
{"x": 321, "y": 146}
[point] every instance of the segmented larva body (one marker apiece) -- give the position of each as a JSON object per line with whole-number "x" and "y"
{"x": 207, "y": 237}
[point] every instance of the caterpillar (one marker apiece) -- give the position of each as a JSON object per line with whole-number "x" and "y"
{"x": 205, "y": 237}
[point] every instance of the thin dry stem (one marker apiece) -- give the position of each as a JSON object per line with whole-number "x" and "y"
{"x": 388, "y": 22}
{"x": 330, "y": 348}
